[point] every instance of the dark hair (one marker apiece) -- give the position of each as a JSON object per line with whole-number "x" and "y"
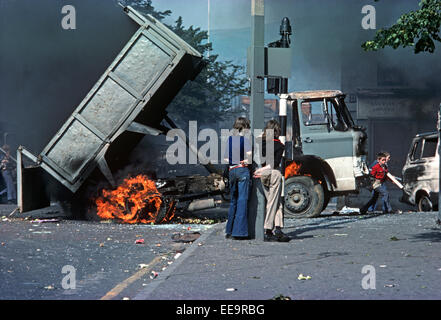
{"x": 381, "y": 155}
{"x": 241, "y": 123}
{"x": 273, "y": 125}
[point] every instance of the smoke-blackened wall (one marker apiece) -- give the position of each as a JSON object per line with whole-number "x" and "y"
{"x": 45, "y": 70}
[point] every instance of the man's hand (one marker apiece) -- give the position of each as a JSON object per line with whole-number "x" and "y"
{"x": 259, "y": 172}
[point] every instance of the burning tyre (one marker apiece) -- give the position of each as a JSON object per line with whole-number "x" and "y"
{"x": 304, "y": 197}
{"x": 136, "y": 200}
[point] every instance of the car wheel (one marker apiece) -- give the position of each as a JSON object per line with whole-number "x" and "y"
{"x": 424, "y": 204}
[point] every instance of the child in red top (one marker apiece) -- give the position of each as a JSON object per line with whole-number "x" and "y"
{"x": 379, "y": 172}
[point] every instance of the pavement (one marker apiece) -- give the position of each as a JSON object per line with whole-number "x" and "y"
{"x": 333, "y": 257}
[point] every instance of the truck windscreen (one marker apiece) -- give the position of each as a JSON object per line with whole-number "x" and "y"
{"x": 343, "y": 110}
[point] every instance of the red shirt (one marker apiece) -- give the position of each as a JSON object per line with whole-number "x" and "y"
{"x": 379, "y": 172}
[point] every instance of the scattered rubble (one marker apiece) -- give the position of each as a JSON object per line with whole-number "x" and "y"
{"x": 302, "y": 277}
{"x": 185, "y": 237}
{"x": 280, "y": 297}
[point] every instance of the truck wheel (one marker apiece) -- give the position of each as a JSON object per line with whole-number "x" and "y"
{"x": 304, "y": 198}
{"x": 424, "y": 204}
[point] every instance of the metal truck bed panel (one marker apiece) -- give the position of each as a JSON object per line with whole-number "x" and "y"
{"x": 138, "y": 85}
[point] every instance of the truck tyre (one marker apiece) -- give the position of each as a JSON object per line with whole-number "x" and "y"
{"x": 304, "y": 197}
{"x": 424, "y": 204}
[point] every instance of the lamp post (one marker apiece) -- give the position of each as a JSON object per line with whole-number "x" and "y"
{"x": 273, "y": 63}
{"x": 439, "y": 155}
{"x": 208, "y": 31}
{"x": 256, "y": 72}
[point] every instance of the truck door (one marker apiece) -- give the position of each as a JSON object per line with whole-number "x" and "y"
{"x": 325, "y": 134}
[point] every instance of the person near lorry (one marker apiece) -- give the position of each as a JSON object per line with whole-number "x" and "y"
{"x": 272, "y": 180}
{"x": 373, "y": 207}
{"x": 7, "y": 168}
{"x": 379, "y": 173}
{"x": 238, "y": 155}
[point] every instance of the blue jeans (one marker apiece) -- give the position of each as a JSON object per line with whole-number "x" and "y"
{"x": 12, "y": 192}
{"x": 380, "y": 191}
{"x": 237, "y": 224}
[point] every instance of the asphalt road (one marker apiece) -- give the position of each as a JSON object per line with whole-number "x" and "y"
{"x": 402, "y": 251}
{"x": 102, "y": 258}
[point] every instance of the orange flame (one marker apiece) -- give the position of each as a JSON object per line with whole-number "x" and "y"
{"x": 292, "y": 170}
{"x": 136, "y": 200}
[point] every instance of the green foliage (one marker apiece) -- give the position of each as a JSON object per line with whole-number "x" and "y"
{"x": 418, "y": 29}
{"x": 145, "y": 7}
{"x": 207, "y": 97}
{"x": 211, "y": 93}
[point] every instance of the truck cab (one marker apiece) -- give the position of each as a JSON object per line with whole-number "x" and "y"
{"x": 421, "y": 172}
{"x": 327, "y": 152}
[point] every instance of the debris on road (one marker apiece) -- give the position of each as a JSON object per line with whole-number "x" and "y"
{"x": 348, "y": 210}
{"x": 302, "y": 277}
{"x": 14, "y": 211}
{"x": 46, "y": 220}
{"x": 280, "y": 297}
{"x": 185, "y": 237}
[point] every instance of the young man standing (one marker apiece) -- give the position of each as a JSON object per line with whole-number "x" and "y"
{"x": 238, "y": 155}
{"x": 271, "y": 179}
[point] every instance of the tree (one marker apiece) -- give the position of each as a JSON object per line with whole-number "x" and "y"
{"x": 418, "y": 29}
{"x": 207, "y": 97}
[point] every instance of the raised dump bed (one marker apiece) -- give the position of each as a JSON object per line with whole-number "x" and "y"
{"x": 127, "y": 102}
